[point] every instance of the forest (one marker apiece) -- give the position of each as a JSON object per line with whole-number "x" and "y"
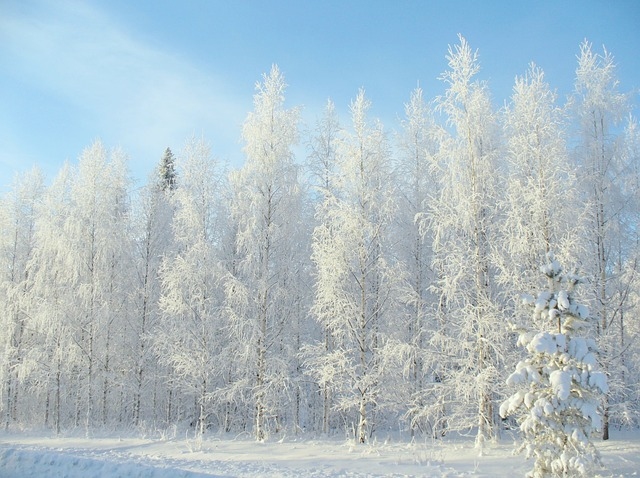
{"x": 382, "y": 281}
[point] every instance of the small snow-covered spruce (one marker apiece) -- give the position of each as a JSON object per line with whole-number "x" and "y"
{"x": 557, "y": 406}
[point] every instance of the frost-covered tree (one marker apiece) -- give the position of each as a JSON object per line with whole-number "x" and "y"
{"x": 627, "y": 397}
{"x": 167, "y": 171}
{"x": 463, "y": 219}
{"x": 323, "y": 146}
{"x": 18, "y": 212}
{"x": 81, "y": 286}
{"x": 416, "y": 185}
{"x": 196, "y": 306}
{"x": 541, "y": 199}
{"x": 557, "y": 405}
{"x": 600, "y": 108}
{"x": 322, "y": 166}
{"x": 354, "y": 290}
{"x": 264, "y": 295}
{"x": 95, "y": 260}
{"x": 187, "y": 337}
{"x": 153, "y": 221}
{"x": 53, "y": 292}
{"x": 80, "y": 294}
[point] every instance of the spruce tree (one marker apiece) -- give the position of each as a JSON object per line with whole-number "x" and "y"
{"x": 557, "y": 406}
{"x": 167, "y": 171}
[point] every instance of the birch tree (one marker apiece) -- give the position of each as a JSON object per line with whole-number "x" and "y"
{"x": 600, "y": 109}
{"x": 354, "y": 291}
{"x": 262, "y": 297}
{"x": 56, "y": 351}
{"x": 322, "y": 160}
{"x": 153, "y": 228}
{"x": 322, "y": 165}
{"x": 188, "y": 338}
{"x": 416, "y": 185}
{"x": 541, "y": 194}
{"x": 94, "y": 241}
{"x": 464, "y": 219}
{"x": 17, "y": 243}
{"x": 627, "y": 299}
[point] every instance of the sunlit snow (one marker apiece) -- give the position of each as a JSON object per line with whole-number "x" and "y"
{"x": 43, "y": 455}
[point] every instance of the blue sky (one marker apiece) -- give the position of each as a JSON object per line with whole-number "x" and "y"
{"x": 144, "y": 75}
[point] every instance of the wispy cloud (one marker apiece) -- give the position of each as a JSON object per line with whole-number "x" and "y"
{"x": 136, "y": 94}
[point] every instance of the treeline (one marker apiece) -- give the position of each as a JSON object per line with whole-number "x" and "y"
{"x": 371, "y": 286}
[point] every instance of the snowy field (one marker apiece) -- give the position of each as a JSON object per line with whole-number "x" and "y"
{"x": 39, "y": 455}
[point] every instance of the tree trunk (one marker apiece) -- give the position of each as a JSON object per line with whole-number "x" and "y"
{"x": 58, "y": 373}
{"x": 362, "y": 419}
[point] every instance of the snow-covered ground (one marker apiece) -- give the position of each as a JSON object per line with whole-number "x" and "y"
{"x": 40, "y": 455}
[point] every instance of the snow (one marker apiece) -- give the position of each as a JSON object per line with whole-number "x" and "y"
{"x": 33, "y": 454}
{"x": 578, "y": 348}
{"x": 564, "y": 304}
{"x": 552, "y": 268}
{"x": 542, "y": 303}
{"x": 598, "y": 380}
{"x": 547, "y": 343}
{"x": 561, "y": 383}
{"x": 524, "y": 373}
